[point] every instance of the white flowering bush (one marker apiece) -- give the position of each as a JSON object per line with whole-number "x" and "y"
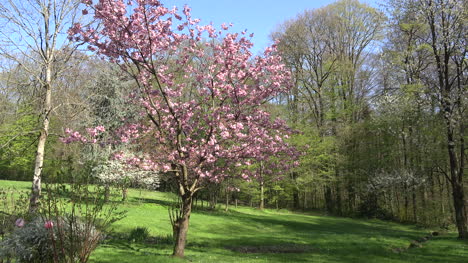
{"x": 384, "y": 180}
{"x": 115, "y": 172}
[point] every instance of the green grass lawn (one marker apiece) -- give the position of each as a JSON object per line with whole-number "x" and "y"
{"x": 218, "y": 236}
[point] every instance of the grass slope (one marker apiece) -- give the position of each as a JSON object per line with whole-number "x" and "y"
{"x": 216, "y": 236}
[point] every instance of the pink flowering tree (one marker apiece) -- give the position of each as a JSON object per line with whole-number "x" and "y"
{"x": 201, "y": 94}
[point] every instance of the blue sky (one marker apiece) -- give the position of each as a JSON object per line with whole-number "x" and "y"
{"x": 257, "y": 16}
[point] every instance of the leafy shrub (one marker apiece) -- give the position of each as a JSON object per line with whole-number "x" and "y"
{"x": 13, "y": 205}
{"x": 68, "y": 226}
{"x": 370, "y": 208}
{"x": 80, "y": 218}
{"x": 64, "y": 240}
{"x": 139, "y": 234}
{"x": 30, "y": 243}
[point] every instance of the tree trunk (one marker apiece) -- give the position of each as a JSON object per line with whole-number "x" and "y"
{"x": 305, "y": 199}
{"x": 444, "y": 51}
{"x": 106, "y": 193}
{"x": 38, "y": 165}
{"x": 398, "y": 206}
{"x": 460, "y": 210}
{"x": 339, "y": 207}
{"x": 328, "y": 199}
{"x": 295, "y": 192}
{"x": 227, "y": 201}
{"x": 413, "y": 199}
{"x": 456, "y": 176}
{"x": 262, "y": 197}
{"x": 277, "y": 199}
{"x": 181, "y": 225}
{"x": 405, "y": 188}
{"x": 213, "y": 200}
{"x": 124, "y": 193}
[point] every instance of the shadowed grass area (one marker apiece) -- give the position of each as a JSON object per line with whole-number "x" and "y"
{"x": 249, "y": 235}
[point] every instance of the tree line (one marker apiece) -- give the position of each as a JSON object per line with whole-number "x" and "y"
{"x": 381, "y": 98}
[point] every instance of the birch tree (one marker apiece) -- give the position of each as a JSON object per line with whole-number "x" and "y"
{"x": 33, "y": 33}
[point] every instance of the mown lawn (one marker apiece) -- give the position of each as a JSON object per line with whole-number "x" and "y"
{"x": 249, "y": 235}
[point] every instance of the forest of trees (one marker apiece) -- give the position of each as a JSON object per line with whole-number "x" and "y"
{"x": 382, "y": 103}
{"x": 379, "y": 103}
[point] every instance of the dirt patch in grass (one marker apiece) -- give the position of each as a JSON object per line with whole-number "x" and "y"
{"x": 281, "y": 248}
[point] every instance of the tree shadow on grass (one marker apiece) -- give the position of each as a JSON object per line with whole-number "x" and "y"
{"x": 342, "y": 239}
{"x": 322, "y": 225}
{"x": 137, "y": 200}
{"x": 328, "y": 239}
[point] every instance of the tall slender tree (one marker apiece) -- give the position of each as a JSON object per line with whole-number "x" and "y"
{"x": 33, "y": 33}
{"x": 441, "y": 27}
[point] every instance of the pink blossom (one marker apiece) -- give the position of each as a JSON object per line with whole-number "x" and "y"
{"x": 220, "y": 124}
{"x": 49, "y": 224}
{"x": 100, "y": 128}
{"x": 19, "y": 222}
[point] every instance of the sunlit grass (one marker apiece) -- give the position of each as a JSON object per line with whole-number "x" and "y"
{"x": 217, "y": 236}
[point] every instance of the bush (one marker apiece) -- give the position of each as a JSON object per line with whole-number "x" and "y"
{"x": 139, "y": 234}
{"x": 13, "y": 205}
{"x": 30, "y": 243}
{"x": 68, "y": 226}
{"x": 64, "y": 240}
{"x": 79, "y": 219}
{"x": 370, "y": 208}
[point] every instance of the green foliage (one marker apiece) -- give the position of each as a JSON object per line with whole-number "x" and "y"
{"x": 18, "y": 145}
{"x": 369, "y": 208}
{"x": 319, "y": 159}
{"x": 109, "y": 103}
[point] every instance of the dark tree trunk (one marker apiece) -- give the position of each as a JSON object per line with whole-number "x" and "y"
{"x": 213, "y": 200}
{"x": 445, "y": 51}
{"x": 296, "y": 204}
{"x": 328, "y": 199}
{"x": 406, "y": 202}
{"x": 295, "y": 192}
{"x": 456, "y": 175}
{"x": 339, "y": 206}
{"x": 106, "y": 192}
{"x": 413, "y": 199}
{"x": 181, "y": 225}
{"x": 460, "y": 210}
